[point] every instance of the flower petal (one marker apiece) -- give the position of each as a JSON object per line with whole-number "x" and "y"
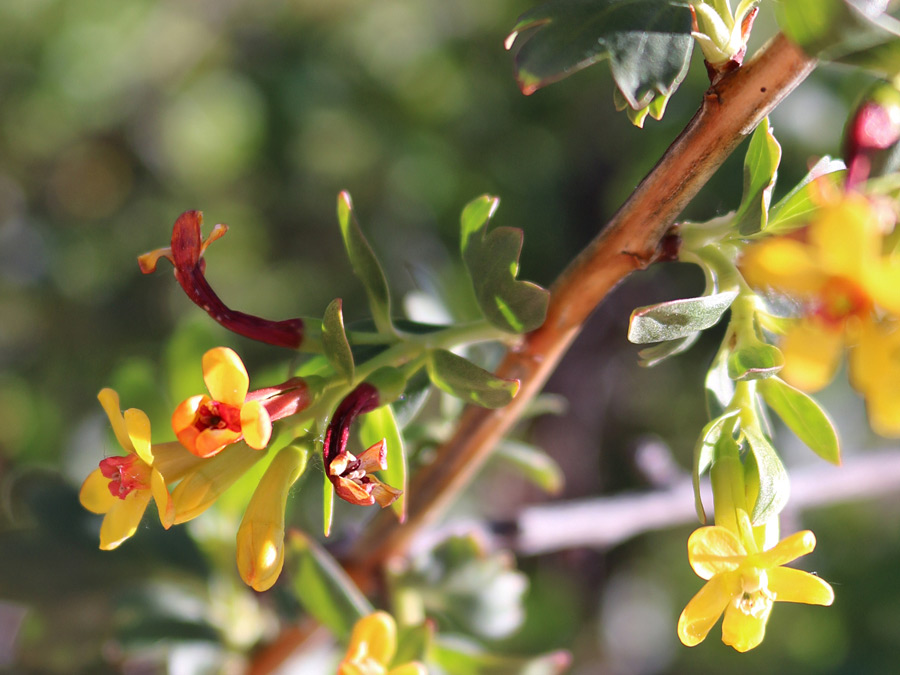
{"x": 211, "y": 442}
{"x": 378, "y": 632}
{"x": 846, "y": 237}
{"x": 256, "y": 424}
{"x": 783, "y": 264}
{"x": 812, "y": 352}
{"x": 788, "y": 549}
{"x": 790, "y": 585}
{"x": 138, "y": 425}
{"x": 744, "y": 631}
{"x": 705, "y": 608}
{"x": 109, "y": 399}
{"x": 225, "y": 376}
{"x": 95, "y": 495}
{"x": 713, "y": 550}
{"x": 164, "y": 504}
{"x": 123, "y": 518}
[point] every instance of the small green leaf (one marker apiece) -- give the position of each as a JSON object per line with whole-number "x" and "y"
{"x": 802, "y": 415}
{"x": 658, "y": 353}
{"x": 719, "y": 387}
{"x": 323, "y": 587}
{"x": 413, "y": 642}
{"x": 463, "y": 379}
{"x": 365, "y": 265}
{"x": 855, "y": 32}
{"x": 492, "y": 259}
{"x": 334, "y": 340}
{"x": 797, "y": 207}
{"x": 774, "y": 487}
{"x": 381, "y": 424}
{"x": 461, "y": 656}
{"x": 754, "y": 361}
{"x": 703, "y": 455}
{"x": 532, "y": 463}
{"x": 760, "y": 172}
{"x": 677, "y": 318}
{"x": 648, "y": 44}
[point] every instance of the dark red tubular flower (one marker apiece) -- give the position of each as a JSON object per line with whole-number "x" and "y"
{"x": 349, "y": 474}
{"x": 186, "y": 254}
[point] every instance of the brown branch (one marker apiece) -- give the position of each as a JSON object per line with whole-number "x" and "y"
{"x": 730, "y": 112}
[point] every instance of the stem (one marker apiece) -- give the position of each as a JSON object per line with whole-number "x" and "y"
{"x": 730, "y": 111}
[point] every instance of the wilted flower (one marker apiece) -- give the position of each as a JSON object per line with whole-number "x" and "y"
{"x": 186, "y": 254}
{"x": 351, "y": 475}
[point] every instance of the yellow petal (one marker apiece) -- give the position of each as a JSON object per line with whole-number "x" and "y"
{"x": 786, "y": 265}
{"x": 790, "y": 585}
{"x": 883, "y": 407}
{"x": 210, "y": 442}
{"x": 872, "y": 358}
{"x": 743, "y": 631}
{"x": 883, "y": 285}
{"x": 138, "y": 425}
{"x": 812, "y": 354}
{"x": 378, "y": 632}
{"x": 123, "y": 518}
{"x": 412, "y": 668}
{"x": 256, "y": 424}
{"x": 846, "y": 237}
{"x": 225, "y": 376}
{"x": 148, "y": 261}
{"x": 109, "y": 399}
{"x": 260, "y": 538}
{"x": 164, "y": 504}
{"x": 714, "y": 550}
{"x": 95, "y": 495}
{"x": 705, "y": 608}
{"x": 788, "y": 549}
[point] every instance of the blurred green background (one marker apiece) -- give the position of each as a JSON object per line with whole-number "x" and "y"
{"x": 117, "y": 116}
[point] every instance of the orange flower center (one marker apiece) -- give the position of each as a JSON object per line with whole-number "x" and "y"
{"x": 125, "y": 474}
{"x": 840, "y": 299}
{"x": 216, "y": 415}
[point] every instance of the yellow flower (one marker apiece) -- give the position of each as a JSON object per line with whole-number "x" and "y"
{"x": 122, "y": 486}
{"x": 373, "y": 644}
{"x": 745, "y": 584}
{"x": 260, "y": 538}
{"x": 206, "y": 424}
{"x": 840, "y": 274}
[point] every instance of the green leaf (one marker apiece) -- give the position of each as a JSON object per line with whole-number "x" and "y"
{"x": 719, "y": 387}
{"x": 774, "y": 487}
{"x": 648, "y": 44}
{"x": 459, "y": 656}
{"x": 854, "y": 32}
{"x": 323, "y": 587}
{"x": 327, "y": 496}
{"x": 414, "y": 642}
{"x": 381, "y": 424}
{"x": 797, "y": 207}
{"x": 703, "y": 455}
{"x": 532, "y": 463}
{"x": 677, "y": 318}
{"x": 657, "y": 353}
{"x": 365, "y": 265}
{"x": 754, "y": 361}
{"x": 334, "y": 341}
{"x": 492, "y": 259}
{"x": 462, "y": 378}
{"x": 760, "y": 172}
{"x": 803, "y": 415}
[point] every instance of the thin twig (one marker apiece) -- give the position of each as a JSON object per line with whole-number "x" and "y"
{"x": 730, "y": 112}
